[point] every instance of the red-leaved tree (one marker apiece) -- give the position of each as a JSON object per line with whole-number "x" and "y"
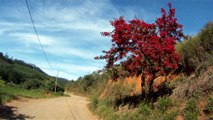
{"x": 146, "y": 49}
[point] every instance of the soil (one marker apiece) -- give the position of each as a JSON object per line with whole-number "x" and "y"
{"x": 61, "y": 108}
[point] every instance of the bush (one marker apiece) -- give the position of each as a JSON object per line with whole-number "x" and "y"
{"x": 197, "y": 49}
{"x": 94, "y": 103}
{"x": 133, "y": 116}
{"x": 11, "y": 84}
{"x": 60, "y": 93}
{"x": 191, "y": 111}
{"x": 163, "y": 103}
{"x": 2, "y": 83}
{"x": 203, "y": 66}
{"x": 209, "y": 106}
{"x": 49, "y": 85}
{"x": 15, "y": 77}
{"x": 144, "y": 109}
{"x": 105, "y": 111}
{"x": 170, "y": 115}
{"x": 32, "y": 84}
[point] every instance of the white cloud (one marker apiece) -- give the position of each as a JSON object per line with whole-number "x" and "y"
{"x": 67, "y": 70}
{"x": 54, "y": 46}
{"x": 86, "y": 15}
{"x": 10, "y": 26}
{"x": 29, "y": 38}
{"x": 67, "y": 51}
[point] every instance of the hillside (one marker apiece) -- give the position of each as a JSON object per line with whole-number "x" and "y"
{"x": 18, "y": 71}
{"x": 187, "y": 94}
{"x": 16, "y": 75}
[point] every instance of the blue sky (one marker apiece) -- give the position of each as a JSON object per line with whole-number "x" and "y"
{"x": 70, "y": 29}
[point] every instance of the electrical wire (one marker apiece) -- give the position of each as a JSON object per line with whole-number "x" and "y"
{"x": 36, "y": 32}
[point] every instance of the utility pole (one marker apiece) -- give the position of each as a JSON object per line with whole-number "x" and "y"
{"x": 56, "y": 80}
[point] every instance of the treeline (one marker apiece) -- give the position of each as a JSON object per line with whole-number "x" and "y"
{"x": 17, "y": 73}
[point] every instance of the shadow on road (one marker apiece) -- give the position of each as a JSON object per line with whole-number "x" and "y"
{"x": 8, "y": 112}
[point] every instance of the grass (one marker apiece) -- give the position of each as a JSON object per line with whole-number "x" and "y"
{"x": 209, "y": 106}
{"x": 190, "y": 111}
{"x": 94, "y": 103}
{"x": 163, "y": 103}
{"x": 143, "y": 112}
{"x": 8, "y": 93}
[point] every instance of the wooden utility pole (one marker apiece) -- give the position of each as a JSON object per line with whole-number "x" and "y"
{"x": 56, "y": 82}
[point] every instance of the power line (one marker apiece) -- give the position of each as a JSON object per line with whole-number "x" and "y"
{"x": 35, "y": 30}
{"x": 30, "y": 5}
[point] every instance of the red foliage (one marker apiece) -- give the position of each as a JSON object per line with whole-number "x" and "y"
{"x": 147, "y": 48}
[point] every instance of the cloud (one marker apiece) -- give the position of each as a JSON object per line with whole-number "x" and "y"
{"x": 29, "y": 38}
{"x": 11, "y": 26}
{"x": 74, "y": 68}
{"x": 67, "y": 70}
{"x": 54, "y": 46}
{"x": 67, "y": 51}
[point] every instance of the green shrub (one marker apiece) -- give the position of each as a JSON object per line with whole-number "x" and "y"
{"x": 144, "y": 109}
{"x": 60, "y": 93}
{"x": 94, "y": 103}
{"x": 170, "y": 116}
{"x": 203, "y": 66}
{"x": 209, "y": 106}
{"x": 11, "y": 84}
{"x": 163, "y": 103}
{"x": 197, "y": 49}
{"x": 133, "y": 116}
{"x": 2, "y": 83}
{"x": 191, "y": 111}
{"x": 49, "y": 85}
{"x": 32, "y": 84}
{"x": 105, "y": 111}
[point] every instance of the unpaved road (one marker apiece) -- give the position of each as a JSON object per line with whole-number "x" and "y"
{"x": 62, "y": 108}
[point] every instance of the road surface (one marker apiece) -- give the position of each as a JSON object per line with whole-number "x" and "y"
{"x": 62, "y": 108}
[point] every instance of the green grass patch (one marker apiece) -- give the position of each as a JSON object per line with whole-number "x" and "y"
{"x": 144, "y": 111}
{"x": 94, "y": 103}
{"x": 2, "y": 83}
{"x": 191, "y": 111}
{"x": 209, "y": 106}
{"x": 163, "y": 103}
{"x": 8, "y": 93}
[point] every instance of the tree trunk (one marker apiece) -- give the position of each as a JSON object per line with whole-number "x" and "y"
{"x": 143, "y": 92}
{"x": 151, "y": 91}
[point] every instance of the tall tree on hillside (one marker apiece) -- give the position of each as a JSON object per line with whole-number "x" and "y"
{"x": 146, "y": 49}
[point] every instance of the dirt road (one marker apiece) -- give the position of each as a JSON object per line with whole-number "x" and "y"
{"x": 62, "y": 108}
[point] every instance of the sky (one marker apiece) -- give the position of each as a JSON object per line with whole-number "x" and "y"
{"x": 69, "y": 30}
